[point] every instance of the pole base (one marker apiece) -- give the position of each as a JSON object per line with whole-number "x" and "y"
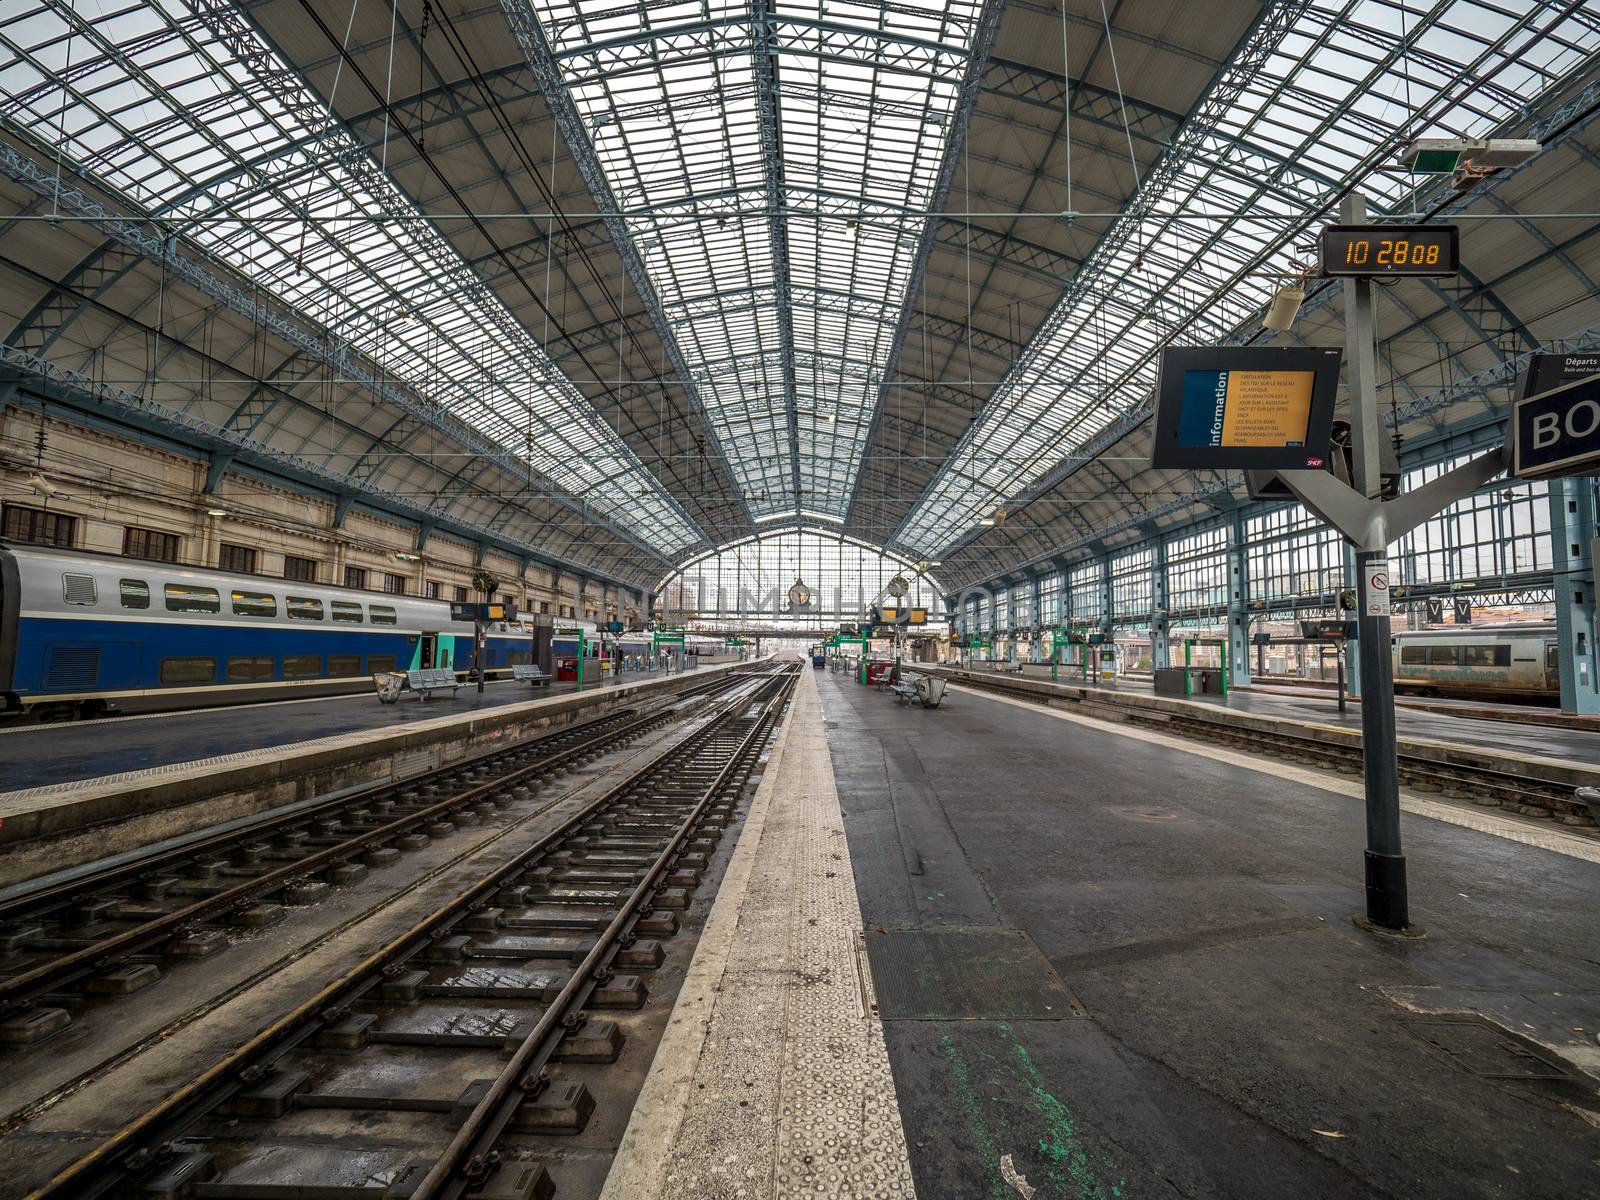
{"x": 1386, "y": 891}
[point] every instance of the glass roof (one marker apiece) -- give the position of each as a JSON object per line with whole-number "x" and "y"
{"x": 1316, "y": 101}
{"x": 189, "y": 114}
{"x": 773, "y": 167}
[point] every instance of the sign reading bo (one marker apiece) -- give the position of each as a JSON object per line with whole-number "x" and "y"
{"x": 1555, "y": 428}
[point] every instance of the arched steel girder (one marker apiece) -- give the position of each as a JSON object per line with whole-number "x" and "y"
{"x": 542, "y": 62}
{"x": 134, "y": 234}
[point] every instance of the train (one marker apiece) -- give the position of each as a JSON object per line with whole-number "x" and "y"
{"x": 1517, "y": 662}
{"x": 81, "y": 632}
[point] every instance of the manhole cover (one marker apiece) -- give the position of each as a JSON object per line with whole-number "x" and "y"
{"x": 965, "y": 974}
{"x": 1487, "y": 1050}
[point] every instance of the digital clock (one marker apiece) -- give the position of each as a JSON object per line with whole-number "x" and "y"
{"x": 1422, "y": 251}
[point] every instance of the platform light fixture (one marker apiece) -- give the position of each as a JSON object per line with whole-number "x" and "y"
{"x": 1475, "y": 156}
{"x": 402, "y": 556}
{"x": 216, "y": 512}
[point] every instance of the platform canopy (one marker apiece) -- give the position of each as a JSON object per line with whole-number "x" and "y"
{"x": 617, "y": 282}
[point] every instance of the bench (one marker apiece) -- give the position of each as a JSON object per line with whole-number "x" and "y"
{"x": 906, "y": 690}
{"x": 432, "y": 679}
{"x": 529, "y": 674}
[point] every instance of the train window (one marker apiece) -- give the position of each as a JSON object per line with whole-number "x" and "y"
{"x": 382, "y": 614}
{"x": 183, "y": 598}
{"x": 249, "y": 669}
{"x": 1551, "y": 662}
{"x": 254, "y": 604}
{"x": 1413, "y": 656}
{"x": 79, "y": 589}
{"x": 1442, "y": 656}
{"x": 302, "y": 609}
{"x": 380, "y": 662}
{"x": 344, "y": 610}
{"x": 342, "y": 666}
{"x": 1486, "y": 656}
{"x": 188, "y": 670}
{"x": 302, "y": 666}
{"x": 135, "y": 593}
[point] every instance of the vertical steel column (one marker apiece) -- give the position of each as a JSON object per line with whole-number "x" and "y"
{"x": 1574, "y": 549}
{"x": 1160, "y": 605}
{"x": 1385, "y": 861}
{"x": 1036, "y": 649}
{"x": 1237, "y": 651}
{"x": 1352, "y": 660}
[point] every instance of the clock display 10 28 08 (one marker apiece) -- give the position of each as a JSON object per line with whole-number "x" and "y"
{"x": 1365, "y": 251}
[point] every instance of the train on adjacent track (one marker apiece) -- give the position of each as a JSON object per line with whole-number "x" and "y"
{"x": 81, "y": 632}
{"x": 1515, "y": 662}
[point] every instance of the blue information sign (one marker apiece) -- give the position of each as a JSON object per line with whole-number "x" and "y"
{"x": 1557, "y": 432}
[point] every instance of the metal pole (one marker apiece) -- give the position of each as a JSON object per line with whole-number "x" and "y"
{"x": 1338, "y": 664}
{"x": 477, "y": 650}
{"x": 1385, "y": 862}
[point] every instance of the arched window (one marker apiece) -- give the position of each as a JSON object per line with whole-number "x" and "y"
{"x": 755, "y": 580}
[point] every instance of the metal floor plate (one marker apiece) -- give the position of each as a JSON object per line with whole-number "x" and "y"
{"x": 965, "y": 975}
{"x": 1487, "y": 1050}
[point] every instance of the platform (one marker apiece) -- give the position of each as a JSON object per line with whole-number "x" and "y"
{"x": 39, "y": 755}
{"x": 117, "y": 785}
{"x": 1486, "y": 725}
{"x": 1105, "y": 962}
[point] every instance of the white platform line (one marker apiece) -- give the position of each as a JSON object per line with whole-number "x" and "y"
{"x": 1557, "y": 841}
{"x": 771, "y": 1079}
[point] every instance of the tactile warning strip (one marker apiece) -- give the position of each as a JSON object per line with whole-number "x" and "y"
{"x": 771, "y": 1080}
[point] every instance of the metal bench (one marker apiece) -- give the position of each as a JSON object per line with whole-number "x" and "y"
{"x": 529, "y": 674}
{"x": 906, "y": 689}
{"x": 432, "y": 679}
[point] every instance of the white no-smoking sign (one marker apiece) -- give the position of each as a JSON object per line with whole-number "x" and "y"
{"x": 1377, "y": 598}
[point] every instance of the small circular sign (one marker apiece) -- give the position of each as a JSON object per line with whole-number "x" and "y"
{"x": 1379, "y": 581}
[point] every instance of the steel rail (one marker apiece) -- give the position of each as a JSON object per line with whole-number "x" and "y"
{"x": 453, "y": 1172}
{"x": 139, "y": 1144}
{"x": 20, "y": 990}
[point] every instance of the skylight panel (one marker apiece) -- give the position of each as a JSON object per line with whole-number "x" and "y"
{"x": 1333, "y": 95}
{"x": 670, "y": 97}
{"x": 330, "y": 264}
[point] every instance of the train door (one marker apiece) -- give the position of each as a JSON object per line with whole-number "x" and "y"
{"x": 430, "y": 647}
{"x": 1552, "y": 667}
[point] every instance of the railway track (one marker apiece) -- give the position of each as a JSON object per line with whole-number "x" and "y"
{"x": 1526, "y": 795}
{"x": 115, "y": 930}
{"x": 449, "y": 1061}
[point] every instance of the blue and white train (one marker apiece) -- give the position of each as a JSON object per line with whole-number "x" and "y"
{"x": 81, "y": 632}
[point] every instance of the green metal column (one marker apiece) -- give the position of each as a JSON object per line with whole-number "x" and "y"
{"x": 1574, "y": 546}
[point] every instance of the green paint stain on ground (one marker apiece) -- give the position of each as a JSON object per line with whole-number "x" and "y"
{"x": 972, "y": 1106}
{"x": 992, "y": 1088}
{"x": 1060, "y": 1143}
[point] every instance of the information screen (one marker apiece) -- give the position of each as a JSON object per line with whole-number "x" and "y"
{"x": 1250, "y": 407}
{"x": 1390, "y": 250}
{"x": 1245, "y": 408}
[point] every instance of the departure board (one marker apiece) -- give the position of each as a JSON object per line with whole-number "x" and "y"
{"x": 1246, "y": 407}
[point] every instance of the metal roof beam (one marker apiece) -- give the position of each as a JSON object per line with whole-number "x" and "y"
{"x": 541, "y": 61}
{"x": 960, "y": 123}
